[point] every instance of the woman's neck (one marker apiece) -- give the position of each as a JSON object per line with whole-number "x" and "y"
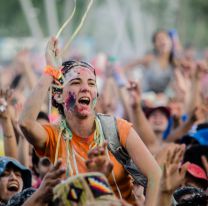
{"x": 163, "y": 60}
{"x": 81, "y": 127}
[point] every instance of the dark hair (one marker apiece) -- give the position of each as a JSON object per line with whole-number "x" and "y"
{"x": 43, "y": 115}
{"x": 197, "y": 197}
{"x": 193, "y": 154}
{"x": 67, "y": 66}
{"x": 35, "y": 161}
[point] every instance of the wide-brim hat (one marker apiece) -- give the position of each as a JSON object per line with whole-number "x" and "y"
{"x": 6, "y": 162}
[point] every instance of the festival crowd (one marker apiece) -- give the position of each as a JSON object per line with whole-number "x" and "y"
{"x": 106, "y": 132}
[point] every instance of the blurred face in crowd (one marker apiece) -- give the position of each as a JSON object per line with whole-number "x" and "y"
{"x": 80, "y": 92}
{"x": 44, "y": 166}
{"x": 162, "y": 42}
{"x": 10, "y": 183}
{"x": 158, "y": 121}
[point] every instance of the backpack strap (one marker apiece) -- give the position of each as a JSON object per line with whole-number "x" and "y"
{"x": 110, "y": 131}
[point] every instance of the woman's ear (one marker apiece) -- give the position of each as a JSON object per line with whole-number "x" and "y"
{"x": 59, "y": 98}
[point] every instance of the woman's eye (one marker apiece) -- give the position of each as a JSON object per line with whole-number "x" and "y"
{"x": 92, "y": 84}
{"x": 18, "y": 174}
{"x": 74, "y": 83}
{"x": 5, "y": 174}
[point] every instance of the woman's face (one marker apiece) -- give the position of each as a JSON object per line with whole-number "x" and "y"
{"x": 162, "y": 42}
{"x": 11, "y": 183}
{"x": 80, "y": 92}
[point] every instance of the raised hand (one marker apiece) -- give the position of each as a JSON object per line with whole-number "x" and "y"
{"x": 51, "y": 179}
{"x": 5, "y": 96}
{"x": 98, "y": 161}
{"x": 135, "y": 94}
{"x": 173, "y": 174}
{"x": 52, "y": 54}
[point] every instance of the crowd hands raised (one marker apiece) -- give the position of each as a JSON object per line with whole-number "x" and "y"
{"x": 167, "y": 108}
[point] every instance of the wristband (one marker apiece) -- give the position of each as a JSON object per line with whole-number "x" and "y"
{"x": 56, "y": 74}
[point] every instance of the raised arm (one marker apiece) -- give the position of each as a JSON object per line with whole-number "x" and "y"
{"x": 147, "y": 164}
{"x": 141, "y": 61}
{"x": 10, "y": 143}
{"x": 33, "y": 131}
{"x": 132, "y": 102}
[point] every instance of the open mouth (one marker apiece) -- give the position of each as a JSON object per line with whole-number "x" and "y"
{"x": 84, "y": 100}
{"x": 13, "y": 187}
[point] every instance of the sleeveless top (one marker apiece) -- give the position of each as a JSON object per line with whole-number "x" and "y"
{"x": 156, "y": 79}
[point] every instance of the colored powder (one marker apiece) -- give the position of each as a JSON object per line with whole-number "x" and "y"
{"x": 94, "y": 102}
{"x": 70, "y": 101}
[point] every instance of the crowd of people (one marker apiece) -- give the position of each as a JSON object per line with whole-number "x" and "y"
{"x": 103, "y": 137}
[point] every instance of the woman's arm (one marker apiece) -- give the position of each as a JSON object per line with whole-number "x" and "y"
{"x": 32, "y": 130}
{"x": 147, "y": 164}
{"x": 132, "y": 102}
{"x": 143, "y": 61}
{"x": 10, "y": 143}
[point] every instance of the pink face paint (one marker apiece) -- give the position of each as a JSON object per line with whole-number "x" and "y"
{"x": 70, "y": 101}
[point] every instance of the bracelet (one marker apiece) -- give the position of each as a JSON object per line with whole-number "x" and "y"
{"x": 56, "y": 74}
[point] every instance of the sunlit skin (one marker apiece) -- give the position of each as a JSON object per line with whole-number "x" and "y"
{"x": 10, "y": 183}
{"x": 81, "y": 84}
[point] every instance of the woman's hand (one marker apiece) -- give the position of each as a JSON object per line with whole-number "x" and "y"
{"x": 51, "y": 179}
{"x": 98, "y": 161}
{"x": 5, "y": 96}
{"x": 52, "y": 54}
{"x": 135, "y": 94}
{"x": 173, "y": 174}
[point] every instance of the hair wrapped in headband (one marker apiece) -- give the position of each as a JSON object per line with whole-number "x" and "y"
{"x": 58, "y": 84}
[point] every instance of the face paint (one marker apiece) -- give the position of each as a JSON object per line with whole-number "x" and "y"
{"x": 70, "y": 101}
{"x": 94, "y": 101}
{"x": 74, "y": 73}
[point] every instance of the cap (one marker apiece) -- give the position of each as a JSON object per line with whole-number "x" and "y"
{"x": 201, "y": 136}
{"x": 26, "y": 173}
{"x": 164, "y": 110}
{"x": 196, "y": 171}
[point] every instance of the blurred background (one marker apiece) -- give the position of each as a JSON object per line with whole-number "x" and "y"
{"x": 119, "y": 27}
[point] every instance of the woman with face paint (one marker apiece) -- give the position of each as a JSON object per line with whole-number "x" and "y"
{"x": 74, "y": 93}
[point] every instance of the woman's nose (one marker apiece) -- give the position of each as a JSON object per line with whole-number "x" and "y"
{"x": 84, "y": 87}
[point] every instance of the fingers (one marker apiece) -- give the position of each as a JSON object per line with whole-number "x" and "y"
{"x": 100, "y": 150}
{"x": 56, "y": 171}
{"x": 184, "y": 169}
{"x": 178, "y": 155}
{"x": 205, "y": 162}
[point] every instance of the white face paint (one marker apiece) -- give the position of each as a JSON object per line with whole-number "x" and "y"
{"x": 73, "y": 73}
